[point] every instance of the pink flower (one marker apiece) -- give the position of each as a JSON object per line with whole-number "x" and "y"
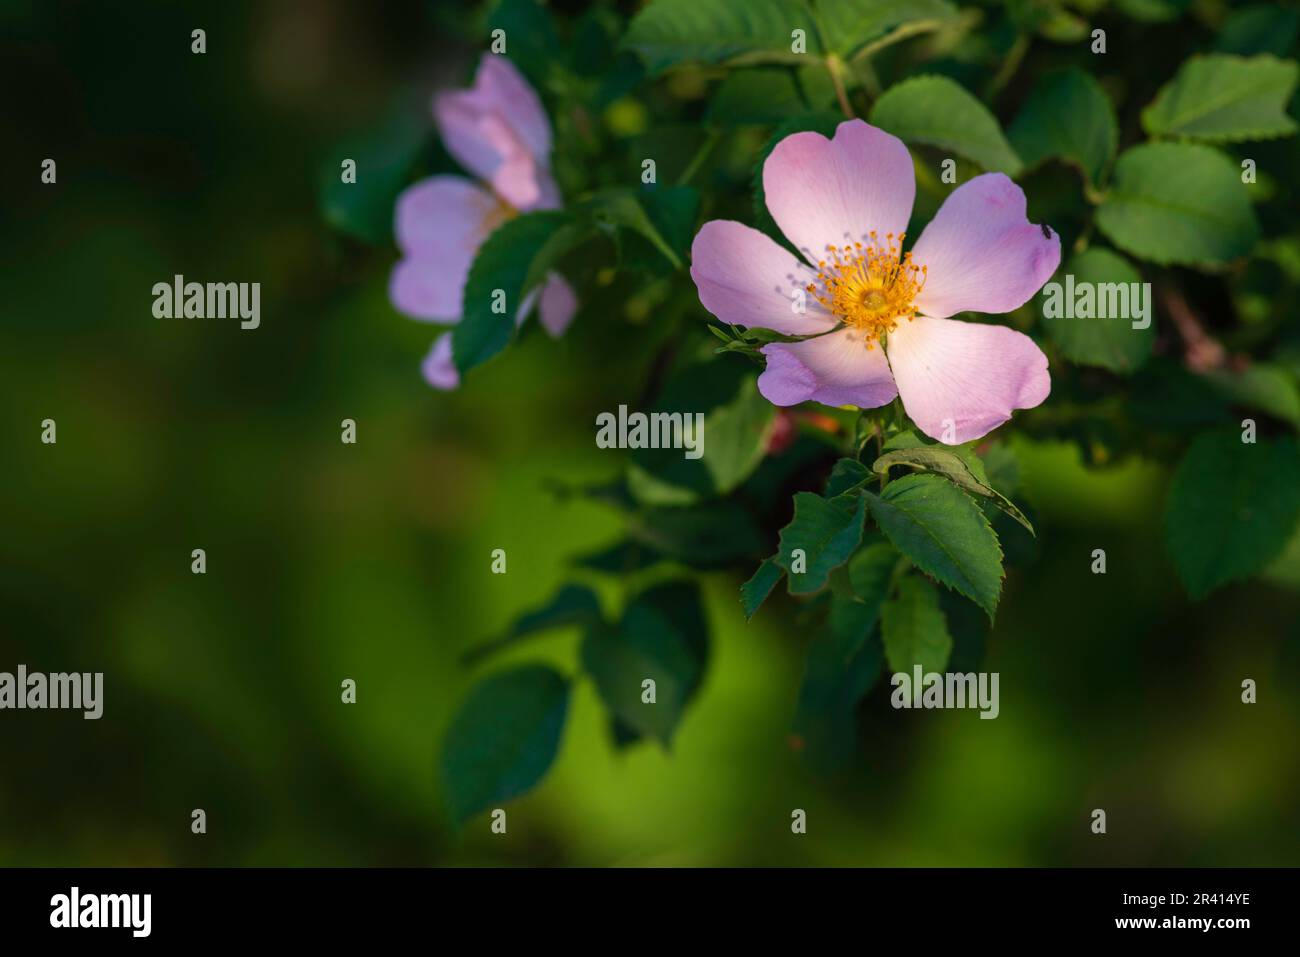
{"x": 498, "y": 131}
{"x": 844, "y": 204}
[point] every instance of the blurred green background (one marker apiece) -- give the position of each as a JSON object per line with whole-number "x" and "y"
{"x": 371, "y": 562}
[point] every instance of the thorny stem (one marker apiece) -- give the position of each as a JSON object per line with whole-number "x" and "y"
{"x": 1202, "y": 352}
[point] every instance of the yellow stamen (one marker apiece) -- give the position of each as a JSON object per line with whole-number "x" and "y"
{"x": 870, "y": 288}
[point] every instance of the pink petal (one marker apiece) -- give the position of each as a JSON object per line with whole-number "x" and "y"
{"x": 835, "y": 369}
{"x": 982, "y": 253}
{"x": 424, "y": 289}
{"x": 558, "y": 305}
{"x": 746, "y": 279}
{"x": 445, "y": 216}
{"x": 823, "y": 192}
{"x": 438, "y": 369}
{"x": 440, "y": 223}
{"x": 501, "y": 84}
{"x": 960, "y": 380}
{"x": 498, "y": 130}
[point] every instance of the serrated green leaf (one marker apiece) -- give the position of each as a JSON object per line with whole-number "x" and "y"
{"x": 870, "y": 571}
{"x": 913, "y": 628}
{"x": 935, "y": 110}
{"x": 1068, "y": 116}
{"x": 1232, "y": 508}
{"x": 503, "y": 739}
{"x": 846, "y": 475}
{"x": 843, "y": 663}
{"x": 661, "y": 637}
{"x": 662, "y": 216}
{"x": 669, "y": 32}
{"x": 504, "y": 262}
{"x": 944, "y": 533}
{"x": 755, "y": 591}
{"x": 1178, "y": 203}
{"x": 826, "y": 532}
{"x": 852, "y": 24}
{"x": 1110, "y": 342}
{"x": 571, "y": 605}
{"x": 955, "y": 469}
{"x": 1268, "y": 28}
{"x": 1221, "y": 98}
{"x": 909, "y": 439}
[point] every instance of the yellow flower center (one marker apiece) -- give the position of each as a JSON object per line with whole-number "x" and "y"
{"x": 869, "y": 288}
{"x": 499, "y": 213}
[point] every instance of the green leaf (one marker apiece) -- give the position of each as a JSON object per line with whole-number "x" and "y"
{"x": 503, "y": 739}
{"x": 944, "y": 533}
{"x": 571, "y": 605}
{"x": 662, "y": 637}
{"x": 913, "y": 628}
{"x": 505, "y": 263}
{"x": 622, "y": 734}
{"x": 955, "y": 469}
{"x": 385, "y": 159}
{"x": 1260, "y": 386}
{"x": 1232, "y": 508}
{"x": 1110, "y": 342}
{"x": 843, "y": 663}
{"x": 531, "y": 32}
{"x": 1061, "y": 26}
{"x": 1222, "y": 98}
{"x": 909, "y": 439}
{"x": 1178, "y": 203}
{"x": 736, "y": 426}
{"x": 650, "y": 213}
{"x": 622, "y": 558}
{"x": 1154, "y": 11}
{"x": 852, "y": 24}
{"x": 1268, "y": 28}
{"x": 760, "y": 96}
{"x": 846, "y": 475}
{"x": 755, "y": 591}
{"x": 669, "y": 32}
{"x": 826, "y": 532}
{"x": 938, "y": 112}
{"x": 702, "y": 536}
{"x": 870, "y": 572}
{"x": 1067, "y": 116}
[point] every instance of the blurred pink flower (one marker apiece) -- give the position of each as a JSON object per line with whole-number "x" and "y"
{"x": 844, "y": 204}
{"x": 498, "y": 131}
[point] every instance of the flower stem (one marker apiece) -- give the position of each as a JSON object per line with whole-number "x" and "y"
{"x": 835, "y": 67}
{"x": 710, "y": 141}
{"x": 1009, "y": 66}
